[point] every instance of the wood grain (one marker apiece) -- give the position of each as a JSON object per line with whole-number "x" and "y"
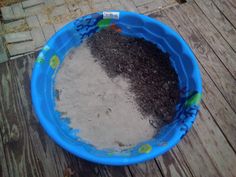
{"x": 172, "y": 163}
{"x": 222, "y": 112}
{"x": 3, "y": 53}
{"x": 199, "y": 146}
{"x": 219, "y": 21}
{"x": 147, "y": 169}
{"x": 3, "y": 165}
{"x": 206, "y": 56}
{"x": 150, "y": 7}
{"x": 198, "y": 160}
{"x": 228, "y": 8}
{"x": 206, "y": 149}
{"x": 112, "y": 171}
{"x": 28, "y": 150}
{"x": 18, "y": 37}
{"x": 14, "y": 129}
{"x": 212, "y": 36}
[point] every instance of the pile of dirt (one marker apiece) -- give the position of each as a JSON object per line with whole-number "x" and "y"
{"x": 153, "y": 80}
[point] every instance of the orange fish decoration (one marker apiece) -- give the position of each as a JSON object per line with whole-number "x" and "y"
{"x": 115, "y": 28}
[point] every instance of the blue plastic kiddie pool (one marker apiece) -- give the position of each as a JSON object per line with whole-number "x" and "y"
{"x": 126, "y": 23}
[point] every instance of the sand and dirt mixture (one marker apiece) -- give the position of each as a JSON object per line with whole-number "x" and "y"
{"x": 118, "y": 91}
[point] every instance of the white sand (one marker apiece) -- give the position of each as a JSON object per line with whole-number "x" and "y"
{"x": 102, "y": 108}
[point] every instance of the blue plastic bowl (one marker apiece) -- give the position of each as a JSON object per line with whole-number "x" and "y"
{"x": 131, "y": 24}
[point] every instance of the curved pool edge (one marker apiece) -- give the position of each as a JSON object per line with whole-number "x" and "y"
{"x": 52, "y": 132}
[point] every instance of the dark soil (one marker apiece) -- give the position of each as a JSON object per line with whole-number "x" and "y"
{"x": 153, "y": 80}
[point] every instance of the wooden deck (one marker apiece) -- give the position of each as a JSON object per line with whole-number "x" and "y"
{"x": 208, "y": 150}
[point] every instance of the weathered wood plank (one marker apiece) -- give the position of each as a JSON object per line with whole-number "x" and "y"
{"x": 172, "y": 1}
{"x": 198, "y": 160}
{"x": 48, "y": 29}
{"x": 129, "y": 5}
{"x": 29, "y": 151}
{"x": 215, "y": 143}
{"x": 147, "y": 169}
{"x": 20, "y": 48}
{"x": 219, "y": 109}
{"x": 219, "y": 21}
{"x": 211, "y": 63}
{"x": 213, "y": 98}
{"x": 16, "y": 145}
{"x": 18, "y": 10}
{"x": 3, "y": 165}
{"x": 32, "y": 21}
{"x": 35, "y": 10}
{"x": 14, "y": 25}
{"x": 118, "y": 7}
{"x": 111, "y": 171}
{"x": 3, "y": 52}
{"x": 101, "y": 6}
{"x": 18, "y": 37}
{"x": 206, "y": 149}
{"x": 59, "y": 2}
{"x": 50, "y": 3}
{"x": 141, "y": 2}
{"x": 199, "y": 146}
{"x": 60, "y": 10}
{"x": 228, "y": 8}
{"x": 7, "y": 13}
{"x": 97, "y": 1}
{"x": 85, "y": 9}
{"x": 212, "y": 36}
{"x": 115, "y": 3}
{"x": 172, "y": 163}
{"x": 72, "y": 6}
{"x": 59, "y": 16}
{"x": 36, "y": 31}
{"x": 30, "y": 3}
{"x": 150, "y": 7}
